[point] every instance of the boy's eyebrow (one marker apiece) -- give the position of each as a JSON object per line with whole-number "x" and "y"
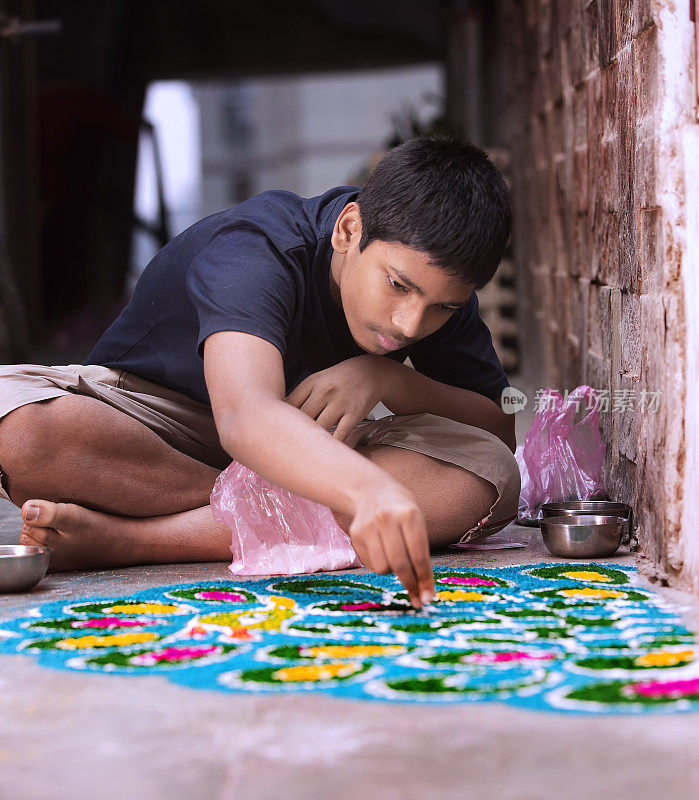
{"x": 406, "y": 280}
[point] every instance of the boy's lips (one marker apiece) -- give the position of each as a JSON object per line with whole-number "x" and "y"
{"x": 388, "y": 344}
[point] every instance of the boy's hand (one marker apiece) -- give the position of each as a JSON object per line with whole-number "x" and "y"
{"x": 388, "y": 529}
{"x": 389, "y": 534}
{"x": 343, "y": 394}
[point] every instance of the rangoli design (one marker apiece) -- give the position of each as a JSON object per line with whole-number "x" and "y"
{"x": 585, "y": 638}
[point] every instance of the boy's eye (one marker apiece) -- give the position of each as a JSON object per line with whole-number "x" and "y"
{"x": 400, "y": 287}
{"x": 396, "y": 285}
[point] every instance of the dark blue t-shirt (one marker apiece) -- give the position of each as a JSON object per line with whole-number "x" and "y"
{"x": 263, "y": 268}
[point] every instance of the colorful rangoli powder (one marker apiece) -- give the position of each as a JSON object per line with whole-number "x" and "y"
{"x": 539, "y": 636}
{"x": 586, "y": 575}
{"x": 230, "y": 597}
{"x": 114, "y": 640}
{"x": 141, "y": 608}
{"x": 665, "y": 658}
{"x": 668, "y": 689}
{"x": 360, "y": 606}
{"x": 174, "y": 654}
{"x": 111, "y": 622}
{"x": 516, "y": 655}
{"x": 459, "y": 594}
{"x": 467, "y": 581}
{"x": 593, "y": 594}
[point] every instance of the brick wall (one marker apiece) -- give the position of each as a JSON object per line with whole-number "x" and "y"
{"x": 578, "y": 88}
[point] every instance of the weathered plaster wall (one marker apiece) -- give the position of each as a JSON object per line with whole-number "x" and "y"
{"x": 677, "y": 191}
{"x": 594, "y": 101}
{"x": 690, "y": 511}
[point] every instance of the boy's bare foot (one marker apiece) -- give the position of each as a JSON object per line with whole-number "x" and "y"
{"x": 81, "y": 538}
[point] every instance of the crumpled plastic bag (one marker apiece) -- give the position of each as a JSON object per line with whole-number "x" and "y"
{"x": 276, "y": 532}
{"x": 561, "y": 459}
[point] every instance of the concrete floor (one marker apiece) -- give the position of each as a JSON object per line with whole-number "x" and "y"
{"x": 84, "y": 736}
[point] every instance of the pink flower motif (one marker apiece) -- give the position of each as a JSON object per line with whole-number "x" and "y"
{"x": 467, "y": 581}
{"x": 666, "y": 688}
{"x": 232, "y": 597}
{"x": 360, "y": 606}
{"x": 109, "y": 622}
{"x": 173, "y": 654}
{"x": 511, "y": 655}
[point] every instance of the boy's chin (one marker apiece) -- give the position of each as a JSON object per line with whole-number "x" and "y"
{"x": 371, "y": 345}
{"x": 376, "y": 351}
{"x": 365, "y": 343}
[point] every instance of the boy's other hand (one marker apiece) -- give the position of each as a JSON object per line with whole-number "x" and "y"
{"x": 389, "y": 534}
{"x": 343, "y": 394}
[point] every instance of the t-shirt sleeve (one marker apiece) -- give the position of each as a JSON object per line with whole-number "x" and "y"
{"x": 461, "y": 353}
{"x": 241, "y": 282}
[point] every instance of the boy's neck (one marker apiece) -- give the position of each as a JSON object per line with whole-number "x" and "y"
{"x": 333, "y": 275}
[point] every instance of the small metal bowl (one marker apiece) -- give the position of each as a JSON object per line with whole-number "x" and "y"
{"x": 582, "y": 536}
{"x": 579, "y": 507}
{"x": 22, "y": 566}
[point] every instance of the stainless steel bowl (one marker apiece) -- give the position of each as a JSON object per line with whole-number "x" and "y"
{"x": 22, "y": 566}
{"x": 579, "y": 507}
{"x": 582, "y": 536}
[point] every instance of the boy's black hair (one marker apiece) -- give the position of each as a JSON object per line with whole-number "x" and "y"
{"x": 442, "y": 196}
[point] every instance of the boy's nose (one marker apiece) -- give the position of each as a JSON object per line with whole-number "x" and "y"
{"x": 408, "y": 326}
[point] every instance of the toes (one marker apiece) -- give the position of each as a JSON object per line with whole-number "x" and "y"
{"x": 39, "y": 513}
{"x": 28, "y": 540}
{"x": 43, "y": 515}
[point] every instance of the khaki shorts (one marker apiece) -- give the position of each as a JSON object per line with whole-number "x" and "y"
{"x": 188, "y": 426}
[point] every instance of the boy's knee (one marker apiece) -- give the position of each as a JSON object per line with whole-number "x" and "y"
{"x": 29, "y": 437}
{"x": 467, "y": 499}
{"x": 21, "y": 432}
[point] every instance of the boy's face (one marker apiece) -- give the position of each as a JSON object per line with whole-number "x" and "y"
{"x": 383, "y": 310}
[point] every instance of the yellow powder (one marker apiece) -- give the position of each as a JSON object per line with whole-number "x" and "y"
{"x": 113, "y": 640}
{"x": 263, "y": 618}
{"x": 459, "y": 594}
{"x": 142, "y": 608}
{"x": 584, "y": 575}
{"x": 316, "y": 672}
{"x": 594, "y": 594}
{"x": 353, "y": 650}
{"x": 665, "y": 658}
{"x": 282, "y": 602}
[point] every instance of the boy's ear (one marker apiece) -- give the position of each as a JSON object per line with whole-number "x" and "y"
{"x": 348, "y": 226}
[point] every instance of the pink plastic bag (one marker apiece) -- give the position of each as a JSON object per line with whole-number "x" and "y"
{"x": 561, "y": 459}
{"x": 276, "y": 532}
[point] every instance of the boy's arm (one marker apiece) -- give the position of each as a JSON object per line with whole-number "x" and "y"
{"x": 245, "y": 378}
{"x": 409, "y": 391}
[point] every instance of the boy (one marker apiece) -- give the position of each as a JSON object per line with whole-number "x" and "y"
{"x": 266, "y": 334}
